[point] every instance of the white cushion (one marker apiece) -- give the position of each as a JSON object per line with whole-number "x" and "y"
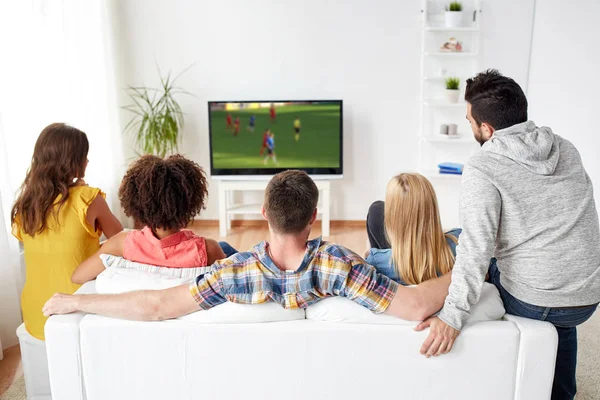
{"x": 232, "y": 313}
{"x": 339, "y": 309}
{"x": 114, "y": 261}
{"x": 120, "y": 280}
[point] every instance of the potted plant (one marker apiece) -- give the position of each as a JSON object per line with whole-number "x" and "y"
{"x": 452, "y": 89}
{"x": 454, "y": 15}
{"x": 157, "y": 119}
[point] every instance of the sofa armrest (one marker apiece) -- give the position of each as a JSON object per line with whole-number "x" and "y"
{"x": 64, "y": 352}
{"x": 536, "y": 359}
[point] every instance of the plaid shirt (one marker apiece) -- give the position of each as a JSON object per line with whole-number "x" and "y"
{"x": 327, "y": 270}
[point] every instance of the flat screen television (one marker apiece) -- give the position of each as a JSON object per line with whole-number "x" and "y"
{"x": 261, "y": 138}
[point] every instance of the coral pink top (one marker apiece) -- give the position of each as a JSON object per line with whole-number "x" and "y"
{"x": 183, "y": 249}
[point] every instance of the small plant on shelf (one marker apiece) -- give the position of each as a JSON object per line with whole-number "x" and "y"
{"x": 452, "y": 83}
{"x": 452, "y": 86}
{"x": 454, "y": 15}
{"x": 454, "y": 6}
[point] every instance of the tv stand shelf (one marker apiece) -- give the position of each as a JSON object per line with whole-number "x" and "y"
{"x": 227, "y": 208}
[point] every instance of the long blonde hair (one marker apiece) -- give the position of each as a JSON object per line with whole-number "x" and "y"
{"x": 414, "y": 230}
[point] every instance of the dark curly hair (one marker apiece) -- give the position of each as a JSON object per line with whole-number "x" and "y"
{"x": 496, "y": 99}
{"x": 163, "y": 193}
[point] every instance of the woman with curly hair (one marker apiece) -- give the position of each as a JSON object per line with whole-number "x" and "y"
{"x": 164, "y": 195}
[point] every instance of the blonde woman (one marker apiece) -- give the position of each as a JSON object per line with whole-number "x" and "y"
{"x": 405, "y": 232}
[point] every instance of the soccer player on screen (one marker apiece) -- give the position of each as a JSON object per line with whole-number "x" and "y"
{"x": 297, "y": 126}
{"x": 271, "y": 148}
{"x": 236, "y": 128}
{"x": 228, "y": 122}
{"x": 272, "y": 112}
{"x": 264, "y": 141}
{"x": 251, "y": 123}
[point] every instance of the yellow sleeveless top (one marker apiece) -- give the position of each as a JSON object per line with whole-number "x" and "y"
{"x": 52, "y": 256}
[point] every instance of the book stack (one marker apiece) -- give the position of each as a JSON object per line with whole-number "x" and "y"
{"x": 451, "y": 168}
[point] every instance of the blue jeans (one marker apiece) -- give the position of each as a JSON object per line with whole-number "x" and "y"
{"x": 565, "y": 320}
{"x": 227, "y": 249}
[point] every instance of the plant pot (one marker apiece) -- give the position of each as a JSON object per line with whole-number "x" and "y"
{"x": 452, "y": 95}
{"x": 454, "y": 19}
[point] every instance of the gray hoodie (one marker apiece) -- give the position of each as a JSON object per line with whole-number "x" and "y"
{"x": 527, "y": 201}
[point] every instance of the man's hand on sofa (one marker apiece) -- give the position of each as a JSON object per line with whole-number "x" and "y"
{"x": 60, "y": 304}
{"x": 441, "y": 337}
{"x": 143, "y": 305}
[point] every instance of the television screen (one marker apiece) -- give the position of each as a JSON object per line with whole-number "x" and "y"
{"x": 249, "y": 138}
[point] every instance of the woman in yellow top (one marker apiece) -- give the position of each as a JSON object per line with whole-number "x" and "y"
{"x": 58, "y": 218}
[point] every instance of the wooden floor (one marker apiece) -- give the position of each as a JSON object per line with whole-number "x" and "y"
{"x": 10, "y": 367}
{"x": 351, "y": 234}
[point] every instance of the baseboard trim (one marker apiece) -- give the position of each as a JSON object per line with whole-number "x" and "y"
{"x": 252, "y": 223}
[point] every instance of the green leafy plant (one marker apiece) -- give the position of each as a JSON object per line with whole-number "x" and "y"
{"x": 158, "y": 118}
{"x": 452, "y": 83}
{"x": 454, "y": 6}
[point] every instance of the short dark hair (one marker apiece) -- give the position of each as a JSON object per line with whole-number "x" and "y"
{"x": 496, "y": 99}
{"x": 290, "y": 200}
{"x": 163, "y": 193}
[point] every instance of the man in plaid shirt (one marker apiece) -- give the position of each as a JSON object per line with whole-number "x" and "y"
{"x": 290, "y": 270}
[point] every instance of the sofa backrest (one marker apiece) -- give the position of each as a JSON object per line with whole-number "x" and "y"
{"x": 301, "y": 359}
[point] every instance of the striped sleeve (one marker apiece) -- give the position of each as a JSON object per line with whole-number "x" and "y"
{"x": 368, "y": 288}
{"x": 207, "y": 289}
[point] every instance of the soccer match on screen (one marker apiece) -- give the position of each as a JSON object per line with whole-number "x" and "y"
{"x": 275, "y": 134}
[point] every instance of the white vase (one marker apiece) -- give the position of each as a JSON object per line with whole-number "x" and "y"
{"x": 454, "y": 19}
{"x": 452, "y": 95}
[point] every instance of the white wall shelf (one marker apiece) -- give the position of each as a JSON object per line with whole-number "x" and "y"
{"x": 446, "y": 29}
{"x": 462, "y": 138}
{"x": 443, "y": 103}
{"x": 440, "y": 78}
{"x": 451, "y": 53}
{"x": 435, "y": 175}
{"x": 434, "y": 109}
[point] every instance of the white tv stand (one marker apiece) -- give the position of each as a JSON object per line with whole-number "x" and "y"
{"x": 227, "y": 209}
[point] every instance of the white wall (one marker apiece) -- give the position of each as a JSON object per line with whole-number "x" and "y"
{"x": 564, "y": 89}
{"x": 364, "y": 52}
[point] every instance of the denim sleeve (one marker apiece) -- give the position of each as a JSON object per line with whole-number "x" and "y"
{"x": 381, "y": 259}
{"x": 456, "y": 234}
{"x": 371, "y": 258}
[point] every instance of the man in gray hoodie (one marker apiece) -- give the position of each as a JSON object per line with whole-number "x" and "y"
{"x": 526, "y": 201}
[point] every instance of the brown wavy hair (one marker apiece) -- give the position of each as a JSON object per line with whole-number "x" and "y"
{"x": 163, "y": 193}
{"x": 58, "y": 162}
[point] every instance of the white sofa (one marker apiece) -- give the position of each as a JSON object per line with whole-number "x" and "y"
{"x": 97, "y": 358}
